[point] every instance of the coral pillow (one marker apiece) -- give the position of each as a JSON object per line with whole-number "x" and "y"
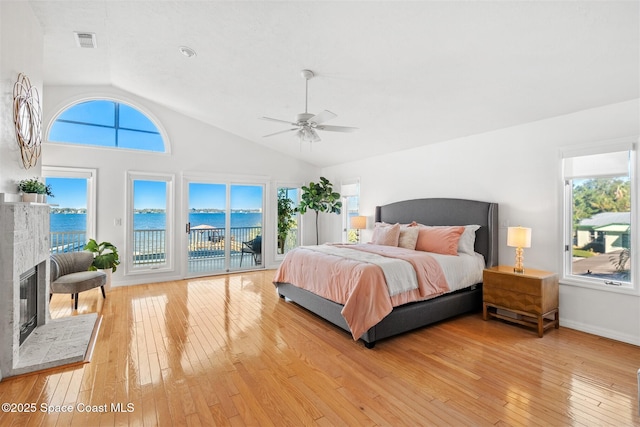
{"x": 439, "y": 240}
{"x": 385, "y": 234}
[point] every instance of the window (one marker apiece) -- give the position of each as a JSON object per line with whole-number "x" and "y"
{"x": 350, "y": 193}
{"x": 72, "y": 218}
{"x": 106, "y": 123}
{"x": 600, "y": 216}
{"x": 288, "y": 220}
{"x": 150, "y": 222}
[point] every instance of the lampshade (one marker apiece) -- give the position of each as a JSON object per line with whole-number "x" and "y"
{"x": 358, "y": 222}
{"x": 519, "y": 237}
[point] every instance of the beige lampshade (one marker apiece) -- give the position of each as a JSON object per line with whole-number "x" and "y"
{"x": 519, "y": 237}
{"x": 358, "y": 222}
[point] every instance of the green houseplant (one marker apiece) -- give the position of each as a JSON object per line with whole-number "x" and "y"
{"x": 286, "y": 212}
{"x": 319, "y": 197}
{"x": 105, "y": 255}
{"x": 31, "y": 188}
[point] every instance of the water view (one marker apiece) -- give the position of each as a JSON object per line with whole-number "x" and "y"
{"x": 68, "y": 229}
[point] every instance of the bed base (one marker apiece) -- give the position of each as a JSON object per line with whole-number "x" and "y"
{"x": 402, "y": 319}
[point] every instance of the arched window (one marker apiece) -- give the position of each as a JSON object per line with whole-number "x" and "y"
{"x": 106, "y": 123}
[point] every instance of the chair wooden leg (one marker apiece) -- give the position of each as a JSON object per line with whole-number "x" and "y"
{"x": 103, "y": 294}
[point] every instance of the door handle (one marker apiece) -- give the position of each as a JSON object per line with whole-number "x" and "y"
{"x": 188, "y": 228}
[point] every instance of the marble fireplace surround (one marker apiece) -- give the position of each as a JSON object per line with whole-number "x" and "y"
{"x": 24, "y": 243}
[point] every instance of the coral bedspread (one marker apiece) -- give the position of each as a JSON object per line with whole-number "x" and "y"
{"x": 359, "y": 286}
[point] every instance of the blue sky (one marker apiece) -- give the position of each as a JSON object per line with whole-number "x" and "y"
{"x": 68, "y": 192}
{"x": 94, "y": 123}
{"x": 149, "y": 194}
{"x": 212, "y": 196}
{"x": 72, "y": 193}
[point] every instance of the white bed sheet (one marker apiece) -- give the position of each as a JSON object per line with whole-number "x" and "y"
{"x": 462, "y": 270}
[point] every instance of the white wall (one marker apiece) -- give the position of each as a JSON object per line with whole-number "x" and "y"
{"x": 196, "y": 148}
{"x": 21, "y": 46}
{"x": 518, "y": 168}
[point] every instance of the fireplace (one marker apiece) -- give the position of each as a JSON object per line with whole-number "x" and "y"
{"x": 24, "y": 285}
{"x": 29, "y": 339}
{"x": 28, "y": 302}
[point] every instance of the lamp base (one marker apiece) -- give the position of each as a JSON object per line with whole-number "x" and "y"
{"x": 519, "y": 268}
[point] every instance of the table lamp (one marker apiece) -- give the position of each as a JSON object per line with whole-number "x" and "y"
{"x": 358, "y": 223}
{"x": 519, "y": 237}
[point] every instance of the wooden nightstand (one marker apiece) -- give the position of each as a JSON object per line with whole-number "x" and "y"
{"x": 532, "y": 297}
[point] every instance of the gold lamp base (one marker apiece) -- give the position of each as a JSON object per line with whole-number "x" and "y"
{"x": 519, "y": 268}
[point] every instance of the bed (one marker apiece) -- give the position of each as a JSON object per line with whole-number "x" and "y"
{"x": 412, "y": 315}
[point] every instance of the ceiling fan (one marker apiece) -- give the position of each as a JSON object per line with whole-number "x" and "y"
{"x": 307, "y": 124}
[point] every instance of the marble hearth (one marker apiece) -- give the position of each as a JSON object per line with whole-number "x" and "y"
{"x": 24, "y": 244}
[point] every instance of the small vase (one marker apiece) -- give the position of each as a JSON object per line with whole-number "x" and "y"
{"x": 29, "y": 197}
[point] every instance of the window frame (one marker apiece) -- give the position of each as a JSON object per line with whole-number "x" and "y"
{"x": 349, "y": 189}
{"x": 170, "y": 179}
{"x": 120, "y": 100}
{"x": 85, "y": 173}
{"x": 566, "y": 203}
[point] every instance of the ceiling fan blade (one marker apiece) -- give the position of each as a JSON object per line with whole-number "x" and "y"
{"x": 337, "y": 128}
{"x": 278, "y": 120}
{"x": 322, "y": 117}
{"x": 282, "y": 131}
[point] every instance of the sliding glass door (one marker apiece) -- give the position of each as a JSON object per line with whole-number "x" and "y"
{"x": 246, "y": 225}
{"x": 224, "y": 227}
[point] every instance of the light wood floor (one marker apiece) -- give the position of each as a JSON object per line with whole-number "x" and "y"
{"x": 227, "y": 351}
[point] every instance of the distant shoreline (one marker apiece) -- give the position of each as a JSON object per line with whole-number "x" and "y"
{"x": 66, "y": 211}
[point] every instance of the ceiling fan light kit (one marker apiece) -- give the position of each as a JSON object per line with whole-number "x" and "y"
{"x": 307, "y": 123}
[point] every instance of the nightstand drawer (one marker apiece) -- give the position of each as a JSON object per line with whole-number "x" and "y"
{"x": 520, "y": 285}
{"x": 514, "y": 300}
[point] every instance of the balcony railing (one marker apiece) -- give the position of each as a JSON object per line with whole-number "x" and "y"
{"x": 67, "y": 241}
{"x": 149, "y": 245}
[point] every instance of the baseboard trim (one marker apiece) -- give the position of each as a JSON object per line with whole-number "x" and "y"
{"x": 601, "y": 332}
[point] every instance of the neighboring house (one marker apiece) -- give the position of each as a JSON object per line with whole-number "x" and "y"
{"x": 604, "y": 232}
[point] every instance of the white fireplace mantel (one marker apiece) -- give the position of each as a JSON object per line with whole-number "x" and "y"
{"x": 24, "y": 243}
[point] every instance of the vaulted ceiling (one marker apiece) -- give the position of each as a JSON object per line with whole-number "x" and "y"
{"x": 405, "y": 73}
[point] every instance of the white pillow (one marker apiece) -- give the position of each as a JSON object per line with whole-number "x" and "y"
{"x": 408, "y": 237}
{"x": 468, "y": 240}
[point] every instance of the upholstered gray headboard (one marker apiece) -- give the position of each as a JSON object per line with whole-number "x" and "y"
{"x": 442, "y": 211}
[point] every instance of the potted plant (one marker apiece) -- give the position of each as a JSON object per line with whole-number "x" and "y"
{"x": 31, "y": 188}
{"x": 286, "y": 211}
{"x": 319, "y": 197}
{"x": 48, "y": 191}
{"x": 105, "y": 258}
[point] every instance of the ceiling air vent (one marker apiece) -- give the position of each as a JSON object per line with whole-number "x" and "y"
{"x": 87, "y": 40}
